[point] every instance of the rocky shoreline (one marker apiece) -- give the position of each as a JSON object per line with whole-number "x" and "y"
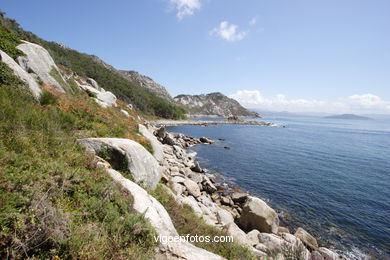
{"x": 211, "y": 122}
{"x": 247, "y": 218}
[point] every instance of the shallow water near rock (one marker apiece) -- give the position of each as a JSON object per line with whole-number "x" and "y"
{"x": 330, "y": 176}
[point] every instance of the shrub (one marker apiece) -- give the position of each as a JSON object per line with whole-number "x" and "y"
{"x": 47, "y": 98}
{"x": 8, "y": 43}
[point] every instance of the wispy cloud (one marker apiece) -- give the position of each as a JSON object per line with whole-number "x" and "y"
{"x": 253, "y": 21}
{"x": 228, "y": 32}
{"x": 185, "y": 7}
{"x": 364, "y": 103}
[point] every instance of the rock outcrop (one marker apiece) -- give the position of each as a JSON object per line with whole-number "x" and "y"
{"x": 159, "y": 218}
{"x": 256, "y": 214}
{"x": 102, "y": 97}
{"x": 22, "y": 74}
{"x": 129, "y": 154}
{"x": 309, "y": 241}
{"x": 147, "y": 83}
{"x": 158, "y": 151}
{"x": 213, "y": 105}
{"x": 39, "y": 62}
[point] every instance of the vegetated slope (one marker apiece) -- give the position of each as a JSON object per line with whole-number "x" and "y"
{"x": 87, "y": 66}
{"x": 147, "y": 83}
{"x": 213, "y": 104}
{"x": 54, "y": 202}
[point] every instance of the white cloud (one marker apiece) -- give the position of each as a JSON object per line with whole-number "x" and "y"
{"x": 228, "y": 32}
{"x": 366, "y": 103}
{"x": 185, "y": 7}
{"x": 253, "y": 21}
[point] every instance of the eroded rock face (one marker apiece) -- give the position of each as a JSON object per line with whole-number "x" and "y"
{"x": 308, "y": 240}
{"x": 158, "y": 150}
{"x": 39, "y": 62}
{"x": 103, "y": 98}
{"x": 140, "y": 163}
{"x": 22, "y": 74}
{"x": 256, "y": 214}
{"x": 213, "y": 104}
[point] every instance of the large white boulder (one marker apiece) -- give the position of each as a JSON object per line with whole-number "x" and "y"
{"x": 39, "y": 62}
{"x": 256, "y": 214}
{"x": 103, "y": 98}
{"x": 158, "y": 149}
{"x": 22, "y": 74}
{"x": 307, "y": 239}
{"x": 140, "y": 163}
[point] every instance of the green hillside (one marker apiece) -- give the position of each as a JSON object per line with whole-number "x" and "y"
{"x": 86, "y": 65}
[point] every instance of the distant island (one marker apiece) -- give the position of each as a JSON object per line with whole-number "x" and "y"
{"x": 349, "y": 116}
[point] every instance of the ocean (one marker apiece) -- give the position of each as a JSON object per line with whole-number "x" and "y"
{"x": 329, "y": 176}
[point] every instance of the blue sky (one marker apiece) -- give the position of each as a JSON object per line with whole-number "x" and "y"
{"x": 296, "y": 55}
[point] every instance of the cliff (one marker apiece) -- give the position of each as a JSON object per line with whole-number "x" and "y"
{"x": 213, "y": 105}
{"x": 147, "y": 83}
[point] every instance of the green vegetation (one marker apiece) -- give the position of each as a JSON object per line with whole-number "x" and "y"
{"x": 8, "y": 43}
{"x": 186, "y": 222}
{"x": 7, "y": 78}
{"x": 54, "y": 202}
{"x": 88, "y": 66}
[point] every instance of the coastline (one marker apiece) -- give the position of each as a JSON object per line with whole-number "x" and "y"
{"x": 210, "y": 122}
{"x": 229, "y": 201}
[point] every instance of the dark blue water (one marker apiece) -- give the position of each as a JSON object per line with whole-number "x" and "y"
{"x": 331, "y": 176}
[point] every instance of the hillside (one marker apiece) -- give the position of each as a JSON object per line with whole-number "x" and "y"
{"x": 90, "y": 66}
{"x": 214, "y": 105}
{"x": 147, "y": 83}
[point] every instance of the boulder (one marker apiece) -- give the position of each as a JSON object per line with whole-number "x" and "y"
{"x": 239, "y": 197}
{"x": 161, "y": 132}
{"x": 192, "y": 188}
{"x": 224, "y": 217}
{"x": 103, "y": 98}
{"x": 191, "y": 201}
{"x": 315, "y": 255}
{"x": 178, "y": 179}
{"x": 328, "y": 254}
{"x": 256, "y": 214}
{"x": 140, "y": 163}
{"x": 208, "y": 185}
{"x": 177, "y": 188}
{"x": 39, "y": 62}
{"x": 22, "y": 74}
{"x": 158, "y": 151}
{"x": 196, "y": 167}
{"x": 169, "y": 140}
{"x": 238, "y": 235}
{"x": 253, "y": 236}
{"x": 308, "y": 240}
{"x": 206, "y": 140}
{"x": 283, "y": 230}
{"x": 271, "y": 241}
{"x": 196, "y": 177}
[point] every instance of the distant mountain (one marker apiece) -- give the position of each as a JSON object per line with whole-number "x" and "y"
{"x": 147, "y": 83}
{"x": 349, "y": 117}
{"x": 213, "y": 105}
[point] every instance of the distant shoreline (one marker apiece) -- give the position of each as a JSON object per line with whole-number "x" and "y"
{"x": 211, "y": 122}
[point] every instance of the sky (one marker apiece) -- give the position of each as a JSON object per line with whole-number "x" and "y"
{"x": 280, "y": 55}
